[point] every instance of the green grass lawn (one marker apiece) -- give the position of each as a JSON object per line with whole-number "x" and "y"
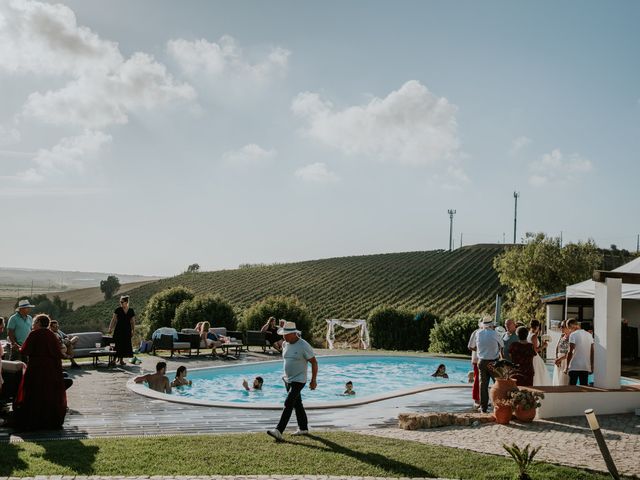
{"x": 335, "y": 453}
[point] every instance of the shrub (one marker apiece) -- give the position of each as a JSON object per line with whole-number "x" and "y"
{"x": 423, "y": 324}
{"x": 281, "y": 307}
{"x": 210, "y": 308}
{"x": 161, "y": 308}
{"x": 392, "y": 328}
{"x": 452, "y": 334}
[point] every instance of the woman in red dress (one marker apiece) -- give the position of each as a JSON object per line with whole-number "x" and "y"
{"x": 41, "y": 402}
{"x": 522, "y": 353}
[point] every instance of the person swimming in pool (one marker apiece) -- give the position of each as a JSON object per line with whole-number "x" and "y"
{"x": 441, "y": 371}
{"x": 257, "y": 384}
{"x": 349, "y": 388}
{"x": 157, "y": 381}
{"x": 181, "y": 378}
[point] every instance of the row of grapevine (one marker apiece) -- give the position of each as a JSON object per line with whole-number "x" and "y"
{"x": 441, "y": 282}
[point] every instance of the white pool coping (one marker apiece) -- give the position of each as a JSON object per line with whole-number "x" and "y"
{"x": 142, "y": 389}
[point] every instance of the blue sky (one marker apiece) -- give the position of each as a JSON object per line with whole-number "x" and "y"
{"x": 140, "y": 137}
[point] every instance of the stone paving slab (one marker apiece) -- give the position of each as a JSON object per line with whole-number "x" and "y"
{"x": 566, "y": 441}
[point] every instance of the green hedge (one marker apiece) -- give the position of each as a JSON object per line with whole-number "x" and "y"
{"x": 161, "y": 308}
{"x": 205, "y": 308}
{"x": 283, "y": 308}
{"x": 399, "y": 329}
{"x": 452, "y": 334}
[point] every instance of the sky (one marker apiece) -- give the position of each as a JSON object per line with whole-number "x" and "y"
{"x": 141, "y": 137}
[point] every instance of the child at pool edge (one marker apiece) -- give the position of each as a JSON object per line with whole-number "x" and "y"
{"x": 257, "y": 383}
{"x": 470, "y": 376}
{"x": 349, "y": 388}
{"x": 181, "y": 377}
{"x": 441, "y": 371}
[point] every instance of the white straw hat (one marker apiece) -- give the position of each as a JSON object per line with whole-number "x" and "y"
{"x": 288, "y": 327}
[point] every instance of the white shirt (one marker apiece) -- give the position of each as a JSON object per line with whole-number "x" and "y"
{"x": 581, "y": 359}
{"x": 488, "y": 343}
{"x": 472, "y": 345}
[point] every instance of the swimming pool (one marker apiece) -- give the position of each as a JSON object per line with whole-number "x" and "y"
{"x": 374, "y": 377}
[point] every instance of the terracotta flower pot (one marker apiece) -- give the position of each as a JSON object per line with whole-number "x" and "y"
{"x": 500, "y": 389}
{"x": 525, "y": 415}
{"x": 502, "y": 414}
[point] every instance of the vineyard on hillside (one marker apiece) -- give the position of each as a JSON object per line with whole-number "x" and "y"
{"x": 438, "y": 281}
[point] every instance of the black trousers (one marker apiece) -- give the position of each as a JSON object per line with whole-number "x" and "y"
{"x": 293, "y": 402}
{"x": 485, "y": 376}
{"x": 581, "y": 375}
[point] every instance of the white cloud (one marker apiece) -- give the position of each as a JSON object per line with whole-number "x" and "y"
{"x": 316, "y": 173}
{"x": 96, "y": 101}
{"x": 226, "y": 58}
{"x": 519, "y": 144}
{"x": 410, "y": 126}
{"x": 44, "y": 38}
{"x": 9, "y": 136}
{"x": 70, "y": 154}
{"x": 248, "y": 156}
{"x": 104, "y": 88}
{"x": 558, "y": 168}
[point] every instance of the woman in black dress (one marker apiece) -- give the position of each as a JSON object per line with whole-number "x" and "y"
{"x": 124, "y": 321}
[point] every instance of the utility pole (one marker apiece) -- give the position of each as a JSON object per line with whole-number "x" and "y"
{"x": 638, "y": 244}
{"x": 451, "y": 214}
{"x": 515, "y": 215}
{"x": 460, "y": 239}
{"x": 31, "y": 296}
{"x": 560, "y": 238}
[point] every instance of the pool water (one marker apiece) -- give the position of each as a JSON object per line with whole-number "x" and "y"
{"x": 371, "y": 376}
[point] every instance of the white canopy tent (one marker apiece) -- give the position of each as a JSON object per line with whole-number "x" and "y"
{"x": 587, "y": 288}
{"x": 348, "y": 324}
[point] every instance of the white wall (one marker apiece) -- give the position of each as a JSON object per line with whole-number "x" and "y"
{"x": 568, "y": 404}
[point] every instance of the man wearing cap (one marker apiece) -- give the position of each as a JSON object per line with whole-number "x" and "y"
{"x": 19, "y": 327}
{"x": 296, "y": 353}
{"x": 488, "y": 348}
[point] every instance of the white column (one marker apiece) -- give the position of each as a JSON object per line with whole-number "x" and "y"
{"x": 607, "y": 318}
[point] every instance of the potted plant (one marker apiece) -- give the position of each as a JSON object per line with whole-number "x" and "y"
{"x": 525, "y": 403}
{"x": 502, "y": 411}
{"x": 502, "y": 371}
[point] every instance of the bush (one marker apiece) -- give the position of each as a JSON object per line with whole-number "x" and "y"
{"x": 392, "y": 329}
{"x": 205, "y": 308}
{"x": 452, "y": 334}
{"x": 423, "y": 324}
{"x": 54, "y": 308}
{"x": 161, "y": 308}
{"x": 288, "y": 308}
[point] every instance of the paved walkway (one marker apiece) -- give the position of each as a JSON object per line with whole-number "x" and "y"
{"x": 101, "y": 406}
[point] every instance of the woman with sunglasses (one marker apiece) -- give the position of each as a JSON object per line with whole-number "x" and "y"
{"x": 124, "y": 321}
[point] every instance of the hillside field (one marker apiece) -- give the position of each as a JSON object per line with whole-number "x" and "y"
{"x": 438, "y": 281}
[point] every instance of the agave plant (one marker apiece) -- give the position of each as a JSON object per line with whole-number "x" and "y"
{"x": 522, "y": 457}
{"x": 502, "y": 369}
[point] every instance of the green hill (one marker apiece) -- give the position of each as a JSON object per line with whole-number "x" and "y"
{"x": 439, "y": 281}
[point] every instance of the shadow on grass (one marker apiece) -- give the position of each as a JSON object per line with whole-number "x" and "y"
{"x": 11, "y": 462}
{"x": 392, "y": 466}
{"x": 71, "y": 454}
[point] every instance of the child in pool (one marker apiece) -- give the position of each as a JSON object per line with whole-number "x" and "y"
{"x": 257, "y": 383}
{"x": 441, "y": 371}
{"x": 470, "y": 377}
{"x": 181, "y": 377}
{"x": 349, "y": 388}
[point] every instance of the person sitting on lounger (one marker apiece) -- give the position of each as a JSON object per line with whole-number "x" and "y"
{"x": 209, "y": 339}
{"x": 257, "y": 384}
{"x": 157, "y": 381}
{"x": 181, "y": 378}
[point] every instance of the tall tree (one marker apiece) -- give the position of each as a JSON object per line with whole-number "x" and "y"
{"x": 193, "y": 268}
{"x": 542, "y": 266}
{"x": 110, "y": 286}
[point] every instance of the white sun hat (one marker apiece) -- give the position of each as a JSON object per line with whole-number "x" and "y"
{"x": 24, "y": 304}
{"x": 288, "y": 327}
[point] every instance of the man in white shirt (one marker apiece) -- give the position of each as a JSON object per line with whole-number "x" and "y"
{"x": 488, "y": 348}
{"x": 580, "y": 356}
